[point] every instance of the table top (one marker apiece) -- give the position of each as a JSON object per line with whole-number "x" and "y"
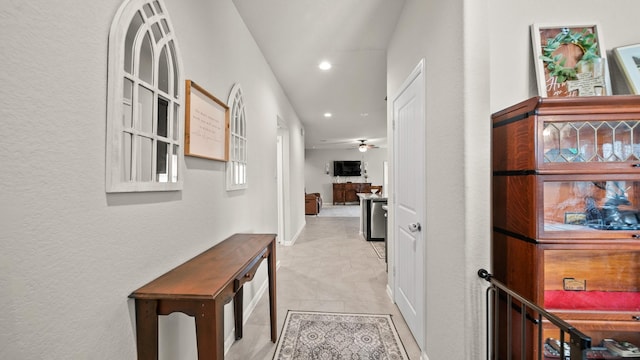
{"x": 370, "y": 196}
{"x": 207, "y": 274}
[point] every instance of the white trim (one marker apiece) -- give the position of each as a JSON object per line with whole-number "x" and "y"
{"x": 246, "y": 313}
{"x": 295, "y": 237}
{"x": 282, "y": 221}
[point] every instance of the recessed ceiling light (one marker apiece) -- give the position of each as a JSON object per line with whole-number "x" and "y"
{"x": 325, "y": 65}
{"x": 364, "y": 114}
{"x": 327, "y": 115}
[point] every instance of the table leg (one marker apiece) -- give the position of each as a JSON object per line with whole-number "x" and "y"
{"x": 271, "y": 269}
{"x": 210, "y": 330}
{"x": 237, "y": 311}
{"x": 147, "y": 329}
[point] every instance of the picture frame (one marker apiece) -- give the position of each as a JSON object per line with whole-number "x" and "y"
{"x": 628, "y": 59}
{"x": 570, "y": 60}
{"x": 575, "y": 218}
{"x": 206, "y": 132}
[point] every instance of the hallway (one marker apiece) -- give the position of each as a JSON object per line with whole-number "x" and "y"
{"x": 330, "y": 268}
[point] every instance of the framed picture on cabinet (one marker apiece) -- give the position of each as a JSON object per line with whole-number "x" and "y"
{"x": 628, "y": 58}
{"x": 569, "y": 60}
{"x": 575, "y": 218}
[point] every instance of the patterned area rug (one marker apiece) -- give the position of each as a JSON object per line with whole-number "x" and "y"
{"x": 378, "y": 246}
{"x": 333, "y": 336}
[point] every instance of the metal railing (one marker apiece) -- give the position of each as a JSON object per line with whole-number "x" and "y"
{"x": 531, "y": 314}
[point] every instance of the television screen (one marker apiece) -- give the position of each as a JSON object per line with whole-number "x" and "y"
{"x": 346, "y": 168}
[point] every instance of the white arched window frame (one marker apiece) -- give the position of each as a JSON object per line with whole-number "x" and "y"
{"x": 237, "y": 164}
{"x": 145, "y": 130}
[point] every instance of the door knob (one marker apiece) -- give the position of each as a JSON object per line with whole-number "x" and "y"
{"x": 413, "y": 227}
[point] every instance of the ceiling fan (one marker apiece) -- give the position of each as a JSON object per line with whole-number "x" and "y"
{"x": 351, "y": 143}
{"x": 364, "y": 146}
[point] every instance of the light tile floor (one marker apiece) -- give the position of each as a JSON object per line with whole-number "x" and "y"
{"x": 329, "y": 268}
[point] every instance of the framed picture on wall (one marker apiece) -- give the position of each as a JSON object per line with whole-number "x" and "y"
{"x": 628, "y": 58}
{"x": 569, "y": 60}
{"x": 206, "y": 131}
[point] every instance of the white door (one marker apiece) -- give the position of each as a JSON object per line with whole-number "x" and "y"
{"x": 409, "y": 204}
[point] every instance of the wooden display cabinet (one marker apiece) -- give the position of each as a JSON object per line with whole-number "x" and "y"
{"x": 347, "y": 192}
{"x": 566, "y": 212}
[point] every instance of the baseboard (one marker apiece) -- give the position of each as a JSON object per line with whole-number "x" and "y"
{"x": 295, "y": 237}
{"x": 423, "y": 356}
{"x": 390, "y": 293}
{"x": 246, "y": 313}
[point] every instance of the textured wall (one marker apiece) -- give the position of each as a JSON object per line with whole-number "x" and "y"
{"x": 512, "y": 68}
{"x": 71, "y": 254}
{"x": 478, "y": 60}
{"x": 434, "y": 30}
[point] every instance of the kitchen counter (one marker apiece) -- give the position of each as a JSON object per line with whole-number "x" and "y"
{"x": 372, "y": 221}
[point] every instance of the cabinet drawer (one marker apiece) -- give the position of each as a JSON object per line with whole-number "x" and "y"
{"x": 593, "y": 278}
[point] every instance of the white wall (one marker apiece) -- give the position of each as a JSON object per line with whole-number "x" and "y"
{"x": 434, "y": 30}
{"x": 71, "y": 254}
{"x": 316, "y": 180}
{"x": 512, "y": 68}
{"x": 478, "y": 61}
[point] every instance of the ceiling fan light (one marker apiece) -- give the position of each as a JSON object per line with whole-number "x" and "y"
{"x": 324, "y": 65}
{"x": 362, "y": 147}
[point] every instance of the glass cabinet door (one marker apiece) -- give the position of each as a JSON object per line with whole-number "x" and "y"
{"x": 580, "y": 142}
{"x": 592, "y": 207}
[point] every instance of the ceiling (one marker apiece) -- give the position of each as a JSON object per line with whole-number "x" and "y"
{"x": 296, "y": 35}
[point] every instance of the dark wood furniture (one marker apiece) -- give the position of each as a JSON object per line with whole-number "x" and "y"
{"x": 347, "y": 192}
{"x": 566, "y": 213}
{"x": 200, "y": 288}
{"x": 312, "y": 203}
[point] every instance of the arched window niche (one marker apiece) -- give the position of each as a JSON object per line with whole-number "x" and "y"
{"x": 145, "y": 126}
{"x": 237, "y": 164}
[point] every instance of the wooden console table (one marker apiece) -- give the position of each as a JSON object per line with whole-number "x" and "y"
{"x": 200, "y": 288}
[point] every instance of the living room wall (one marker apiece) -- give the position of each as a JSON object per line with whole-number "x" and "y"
{"x": 316, "y": 160}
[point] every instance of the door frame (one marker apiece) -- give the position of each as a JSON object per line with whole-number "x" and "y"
{"x": 282, "y": 180}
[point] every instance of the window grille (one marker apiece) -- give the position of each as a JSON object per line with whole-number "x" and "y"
{"x": 145, "y": 104}
{"x": 237, "y": 164}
